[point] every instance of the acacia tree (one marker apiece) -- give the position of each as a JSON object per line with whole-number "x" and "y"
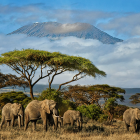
{"x": 135, "y": 99}
{"x": 92, "y": 94}
{"x": 27, "y": 62}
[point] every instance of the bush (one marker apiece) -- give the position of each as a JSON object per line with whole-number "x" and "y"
{"x": 102, "y": 118}
{"x": 91, "y": 111}
{"x": 14, "y": 97}
{"x": 50, "y": 94}
{"x": 119, "y": 110}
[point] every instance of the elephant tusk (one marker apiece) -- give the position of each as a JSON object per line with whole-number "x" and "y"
{"x": 56, "y": 116}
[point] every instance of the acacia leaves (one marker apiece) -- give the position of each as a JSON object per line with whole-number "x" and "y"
{"x": 92, "y": 94}
{"x": 54, "y": 59}
{"x": 12, "y": 80}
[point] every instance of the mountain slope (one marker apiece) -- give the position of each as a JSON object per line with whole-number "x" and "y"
{"x": 54, "y": 30}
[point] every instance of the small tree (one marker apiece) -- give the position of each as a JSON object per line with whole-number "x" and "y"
{"x": 12, "y": 80}
{"x": 27, "y": 62}
{"x": 135, "y": 99}
{"x": 109, "y": 107}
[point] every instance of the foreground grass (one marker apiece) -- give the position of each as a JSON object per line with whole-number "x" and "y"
{"x": 91, "y": 131}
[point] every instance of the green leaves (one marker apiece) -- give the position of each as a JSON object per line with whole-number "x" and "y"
{"x": 14, "y": 97}
{"x": 38, "y": 57}
{"x": 135, "y": 99}
{"x": 91, "y": 111}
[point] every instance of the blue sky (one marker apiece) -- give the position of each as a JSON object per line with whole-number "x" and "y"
{"x": 104, "y": 14}
{"x": 119, "y": 18}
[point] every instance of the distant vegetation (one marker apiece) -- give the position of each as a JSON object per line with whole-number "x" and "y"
{"x": 77, "y": 101}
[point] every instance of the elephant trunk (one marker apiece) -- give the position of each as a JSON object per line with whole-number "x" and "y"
{"x": 56, "y": 115}
{"x": 21, "y": 114}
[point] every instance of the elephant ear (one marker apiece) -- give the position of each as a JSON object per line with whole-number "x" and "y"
{"x": 52, "y": 104}
{"x": 136, "y": 113}
{"x": 45, "y": 106}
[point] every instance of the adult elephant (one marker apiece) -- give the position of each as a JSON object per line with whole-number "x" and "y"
{"x": 131, "y": 117}
{"x": 40, "y": 110}
{"x": 10, "y": 112}
{"x": 70, "y": 116}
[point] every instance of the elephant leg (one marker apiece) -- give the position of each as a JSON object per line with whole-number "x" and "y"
{"x": 8, "y": 123}
{"x": 71, "y": 121}
{"x": 134, "y": 128}
{"x": 127, "y": 126}
{"x": 26, "y": 122}
{"x": 2, "y": 122}
{"x": 34, "y": 125}
{"x": 19, "y": 121}
{"x": 63, "y": 123}
{"x": 59, "y": 124}
{"x": 138, "y": 127}
{"x": 12, "y": 121}
{"x": 44, "y": 118}
{"x": 55, "y": 123}
{"x": 78, "y": 124}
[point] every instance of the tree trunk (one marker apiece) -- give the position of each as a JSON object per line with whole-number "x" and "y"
{"x": 31, "y": 92}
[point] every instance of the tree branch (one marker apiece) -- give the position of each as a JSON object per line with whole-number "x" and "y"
{"x": 75, "y": 78}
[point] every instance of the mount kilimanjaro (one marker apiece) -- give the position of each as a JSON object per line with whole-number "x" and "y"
{"x": 54, "y": 30}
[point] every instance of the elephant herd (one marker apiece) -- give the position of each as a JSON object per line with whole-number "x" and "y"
{"x": 47, "y": 110}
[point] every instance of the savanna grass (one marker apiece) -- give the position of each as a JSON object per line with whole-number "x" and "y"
{"x": 92, "y": 130}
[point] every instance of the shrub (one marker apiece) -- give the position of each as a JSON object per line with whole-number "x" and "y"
{"x": 91, "y": 111}
{"x": 50, "y": 94}
{"x": 14, "y": 97}
{"x": 119, "y": 110}
{"x": 109, "y": 107}
{"x": 102, "y": 118}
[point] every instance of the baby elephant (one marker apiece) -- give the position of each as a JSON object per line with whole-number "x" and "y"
{"x": 131, "y": 117}
{"x": 51, "y": 119}
{"x": 12, "y": 111}
{"x": 70, "y": 116}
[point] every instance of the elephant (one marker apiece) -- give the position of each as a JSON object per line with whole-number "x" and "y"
{"x": 10, "y": 112}
{"x": 41, "y": 110}
{"x": 70, "y": 116}
{"x": 131, "y": 117}
{"x": 51, "y": 119}
{"x": 60, "y": 121}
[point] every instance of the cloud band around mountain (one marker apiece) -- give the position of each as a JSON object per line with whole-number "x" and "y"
{"x": 120, "y": 61}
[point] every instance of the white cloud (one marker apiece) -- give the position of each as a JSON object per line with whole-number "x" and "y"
{"x": 66, "y": 28}
{"x": 120, "y": 61}
{"x": 128, "y": 24}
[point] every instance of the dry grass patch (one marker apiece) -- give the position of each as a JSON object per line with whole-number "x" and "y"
{"x": 92, "y": 130}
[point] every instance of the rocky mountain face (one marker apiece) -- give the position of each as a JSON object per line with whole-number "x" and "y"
{"x": 54, "y": 30}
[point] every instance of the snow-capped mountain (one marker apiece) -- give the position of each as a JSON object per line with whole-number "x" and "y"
{"x": 54, "y": 30}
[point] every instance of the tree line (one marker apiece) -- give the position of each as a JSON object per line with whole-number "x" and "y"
{"x": 86, "y": 99}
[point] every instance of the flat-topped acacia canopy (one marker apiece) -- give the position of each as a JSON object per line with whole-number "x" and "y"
{"x": 26, "y": 61}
